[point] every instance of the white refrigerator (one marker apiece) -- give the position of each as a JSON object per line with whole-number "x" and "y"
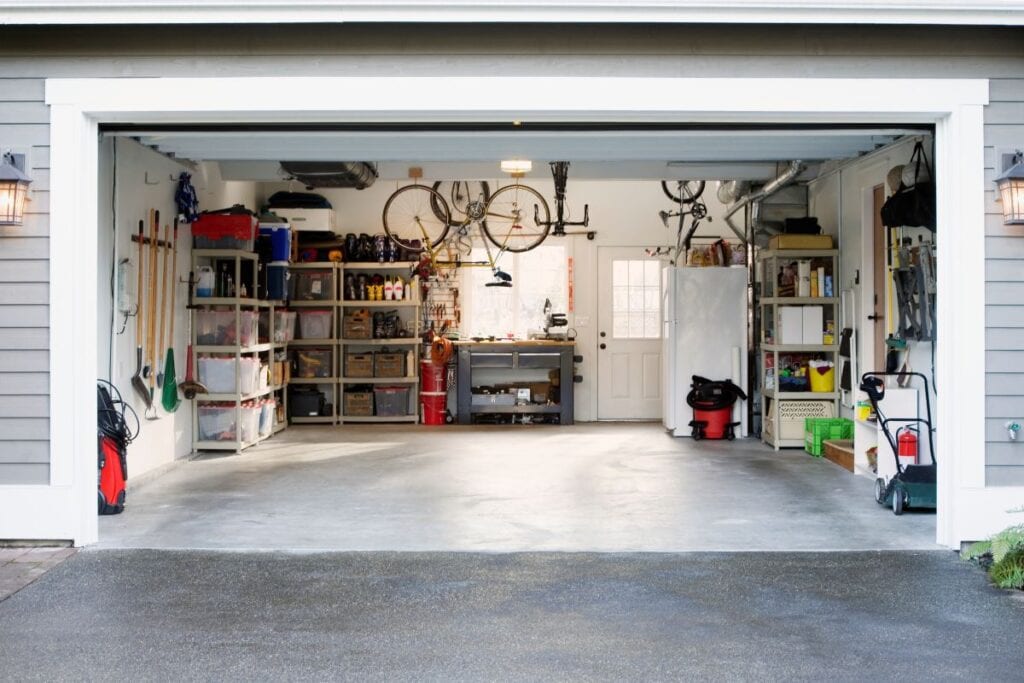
{"x": 705, "y": 333}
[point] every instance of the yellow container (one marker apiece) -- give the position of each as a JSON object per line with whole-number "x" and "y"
{"x": 823, "y": 382}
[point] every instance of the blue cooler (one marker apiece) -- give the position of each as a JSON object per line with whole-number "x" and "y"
{"x": 277, "y": 280}
{"x": 280, "y": 236}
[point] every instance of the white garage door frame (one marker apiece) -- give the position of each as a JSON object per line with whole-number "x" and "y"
{"x": 66, "y": 508}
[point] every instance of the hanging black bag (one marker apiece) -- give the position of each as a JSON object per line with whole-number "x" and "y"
{"x": 913, "y": 206}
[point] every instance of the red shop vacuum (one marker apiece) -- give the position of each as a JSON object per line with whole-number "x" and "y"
{"x": 712, "y": 404}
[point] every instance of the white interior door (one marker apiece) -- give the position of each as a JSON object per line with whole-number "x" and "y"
{"x": 629, "y": 335}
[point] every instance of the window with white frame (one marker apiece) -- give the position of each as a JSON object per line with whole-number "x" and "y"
{"x": 537, "y": 275}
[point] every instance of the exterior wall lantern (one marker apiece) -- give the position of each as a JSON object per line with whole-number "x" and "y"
{"x": 1011, "y": 191}
{"x": 13, "y": 191}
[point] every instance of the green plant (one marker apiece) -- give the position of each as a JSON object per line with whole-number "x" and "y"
{"x": 1002, "y": 555}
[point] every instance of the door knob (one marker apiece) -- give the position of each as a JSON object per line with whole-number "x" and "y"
{"x": 603, "y": 345}
{"x": 603, "y": 334}
{"x": 874, "y": 317}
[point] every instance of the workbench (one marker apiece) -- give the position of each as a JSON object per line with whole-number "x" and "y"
{"x": 515, "y": 363}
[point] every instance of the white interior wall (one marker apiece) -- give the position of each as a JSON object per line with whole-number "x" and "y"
{"x": 624, "y": 213}
{"x": 842, "y": 201}
{"x": 144, "y": 180}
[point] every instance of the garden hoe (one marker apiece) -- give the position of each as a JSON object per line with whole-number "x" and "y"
{"x": 190, "y": 387}
{"x": 137, "y": 383}
{"x": 154, "y": 236}
{"x": 170, "y": 398}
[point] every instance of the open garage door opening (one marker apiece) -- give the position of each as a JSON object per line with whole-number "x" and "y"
{"x": 542, "y": 300}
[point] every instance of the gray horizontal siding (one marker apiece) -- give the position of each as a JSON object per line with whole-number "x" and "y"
{"x": 1004, "y": 293}
{"x": 24, "y": 296}
{"x": 30, "y": 54}
{"x": 1004, "y": 475}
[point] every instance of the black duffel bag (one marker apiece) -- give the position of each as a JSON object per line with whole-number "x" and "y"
{"x": 913, "y": 206}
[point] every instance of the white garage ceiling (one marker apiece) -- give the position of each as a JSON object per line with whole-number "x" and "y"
{"x": 637, "y": 154}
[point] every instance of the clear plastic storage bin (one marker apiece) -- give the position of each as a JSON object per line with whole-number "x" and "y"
{"x": 391, "y": 401}
{"x": 217, "y": 328}
{"x": 312, "y": 285}
{"x": 313, "y": 362}
{"x": 218, "y": 374}
{"x": 316, "y": 323}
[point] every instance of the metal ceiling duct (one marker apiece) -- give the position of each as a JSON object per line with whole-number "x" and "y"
{"x": 794, "y": 169}
{"x": 314, "y": 174}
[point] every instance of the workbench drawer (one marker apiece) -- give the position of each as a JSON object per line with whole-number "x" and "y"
{"x": 491, "y": 360}
{"x": 539, "y": 360}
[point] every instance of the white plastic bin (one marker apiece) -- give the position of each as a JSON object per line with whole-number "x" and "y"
{"x": 250, "y": 421}
{"x": 217, "y": 327}
{"x": 284, "y": 326}
{"x": 316, "y": 323}
{"x": 267, "y": 411}
{"x": 217, "y": 422}
{"x": 218, "y": 374}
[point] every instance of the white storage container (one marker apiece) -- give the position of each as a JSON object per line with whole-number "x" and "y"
{"x": 250, "y": 421}
{"x": 267, "y": 410}
{"x": 309, "y": 220}
{"x": 316, "y": 323}
{"x": 217, "y": 422}
{"x": 284, "y": 326}
{"x": 218, "y": 374}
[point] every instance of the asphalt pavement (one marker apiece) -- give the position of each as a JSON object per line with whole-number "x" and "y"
{"x": 199, "y": 615}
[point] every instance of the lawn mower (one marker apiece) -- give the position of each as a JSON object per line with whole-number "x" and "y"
{"x": 913, "y": 486}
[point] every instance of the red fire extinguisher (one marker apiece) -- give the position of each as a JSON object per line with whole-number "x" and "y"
{"x": 906, "y": 441}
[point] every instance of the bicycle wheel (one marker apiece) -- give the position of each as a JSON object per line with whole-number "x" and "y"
{"x": 460, "y": 194}
{"x": 691, "y": 189}
{"x": 518, "y": 218}
{"x": 409, "y": 218}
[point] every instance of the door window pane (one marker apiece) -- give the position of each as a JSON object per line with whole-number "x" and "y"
{"x": 636, "y": 299}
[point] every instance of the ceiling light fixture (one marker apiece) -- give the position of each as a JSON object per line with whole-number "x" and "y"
{"x": 516, "y": 167}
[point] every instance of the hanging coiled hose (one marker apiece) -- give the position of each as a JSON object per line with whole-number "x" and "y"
{"x": 441, "y": 350}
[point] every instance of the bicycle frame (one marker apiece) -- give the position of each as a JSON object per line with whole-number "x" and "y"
{"x": 560, "y": 174}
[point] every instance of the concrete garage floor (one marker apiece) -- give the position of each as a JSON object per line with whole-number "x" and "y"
{"x": 592, "y": 487}
{"x": 144, "y": 615}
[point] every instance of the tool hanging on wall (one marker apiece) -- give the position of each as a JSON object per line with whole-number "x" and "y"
{"x": 163, "y": 309}
{"x": 154, "y": 232}
{"x": 137, "y": 382}
{"x": 170, "y": 399}
{"x": 190, "y": 387}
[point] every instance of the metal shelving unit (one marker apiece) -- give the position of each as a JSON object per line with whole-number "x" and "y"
{"x": 236, "y": 304}
{"x": 774, "y": 397}
{"x": 327, "y": 385}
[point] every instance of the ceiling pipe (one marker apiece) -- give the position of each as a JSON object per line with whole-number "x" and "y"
{"x": 795, "y": 168}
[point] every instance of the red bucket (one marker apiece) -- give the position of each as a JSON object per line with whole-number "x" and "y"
{"x": 433, "y": 377}
{"x": 435, "y": 404}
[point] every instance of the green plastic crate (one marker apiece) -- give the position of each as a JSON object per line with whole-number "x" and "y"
{"x": 818, "y": 430}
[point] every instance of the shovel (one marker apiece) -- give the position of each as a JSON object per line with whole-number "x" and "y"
{"x": 137, "y": 383}
{"x": 170, "y": 398}
{"x": 163, "y": 307}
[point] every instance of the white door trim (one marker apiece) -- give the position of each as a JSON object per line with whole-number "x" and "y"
{"x": 78, "y": 105}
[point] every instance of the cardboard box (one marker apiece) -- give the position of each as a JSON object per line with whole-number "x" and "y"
{"x": 358, "y": 404}
{"x": 389, "y": 364}
{"x": 800, "y": 242}
{"x": 358, "y": 365}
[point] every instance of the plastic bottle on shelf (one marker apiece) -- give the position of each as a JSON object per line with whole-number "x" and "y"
{"x": 399, "y": 288}
{"x": 389, "y": 289}
{"x": 408, "y": 291}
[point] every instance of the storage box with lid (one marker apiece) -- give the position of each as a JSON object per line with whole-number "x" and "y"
{"x": 217, "y": 327}
{"x": 305, "y": 401}
{"x": 800, "y": 242}
{"x": 312, "y": 284}
{"x": 316, "y": 323}
{"x": 224, "y": 231}
{"x": 313, "y": 362}
{"x": 357, "y": 324}
{"x": 358, "y": 364}
{"x": 220, "y": 422}
{"x": 309, "y": 220}
{"x": 389, "y": 364}
{"x": 358, "y": 403}
{"x": 391, "y": 401}
{"x": 217, "y": 373}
